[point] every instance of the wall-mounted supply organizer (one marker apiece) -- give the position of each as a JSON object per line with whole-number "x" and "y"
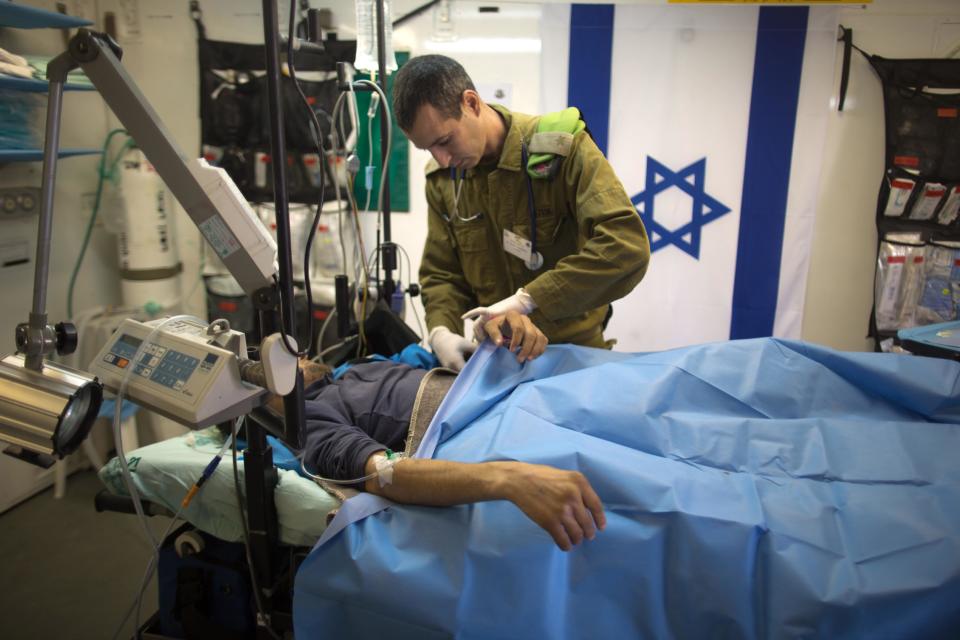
{"x": 917, "y": 279}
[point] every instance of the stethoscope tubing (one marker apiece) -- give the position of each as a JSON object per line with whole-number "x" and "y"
{"x": 458, "y": 185}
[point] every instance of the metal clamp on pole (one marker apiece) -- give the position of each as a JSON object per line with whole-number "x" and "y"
{"x": 343, "y": 78}
{"x": 342, "y": 290}
{"x": 388, "y": 253}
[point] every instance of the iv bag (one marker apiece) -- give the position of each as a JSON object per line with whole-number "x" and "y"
{"x": 367, "y": 36}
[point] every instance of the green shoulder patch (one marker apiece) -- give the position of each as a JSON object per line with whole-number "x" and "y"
{"x": 552, "y": 141}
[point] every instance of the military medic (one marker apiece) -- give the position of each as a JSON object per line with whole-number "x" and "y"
{"x": 525, "y": 214}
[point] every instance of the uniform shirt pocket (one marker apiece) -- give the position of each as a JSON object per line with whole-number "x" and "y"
{"x": 549, "y": 226}
{"x": 470, "y": 236}
{"x": 475, "y": 257}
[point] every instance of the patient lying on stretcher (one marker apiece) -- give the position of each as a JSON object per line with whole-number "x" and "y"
{"x": 762, "y": 488}
{"x": 354, "y": 421}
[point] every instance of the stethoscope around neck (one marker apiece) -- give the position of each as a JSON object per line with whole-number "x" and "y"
{"x": 536, "y": 259}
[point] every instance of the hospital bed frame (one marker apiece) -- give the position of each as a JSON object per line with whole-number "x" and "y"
{"x": 275, "y": 580}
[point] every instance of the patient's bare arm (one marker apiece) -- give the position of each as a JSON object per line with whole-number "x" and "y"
{"x": 562, "y": 502}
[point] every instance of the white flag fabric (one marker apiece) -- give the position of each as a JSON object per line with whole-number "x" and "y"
{"x": 714, "y": 119}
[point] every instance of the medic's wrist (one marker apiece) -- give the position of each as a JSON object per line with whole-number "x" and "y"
{"x": 441, "y": 332}
{"x": 436, "y": 330}
{"x": 525, "y": 300}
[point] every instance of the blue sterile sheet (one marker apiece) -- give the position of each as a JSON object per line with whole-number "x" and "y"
{"x": 753, "y": 489}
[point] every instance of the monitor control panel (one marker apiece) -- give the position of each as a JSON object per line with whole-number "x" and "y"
{"x": 179, "y": 371}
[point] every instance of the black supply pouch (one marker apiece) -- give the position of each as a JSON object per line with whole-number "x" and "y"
{"x": 234, "y": 112}
{"x": 922, "y": 112}
{"x": 922, "y": 127}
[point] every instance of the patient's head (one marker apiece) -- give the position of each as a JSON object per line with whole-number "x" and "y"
{"x": 312, "y": 372}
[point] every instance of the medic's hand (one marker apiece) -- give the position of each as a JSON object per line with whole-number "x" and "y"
{"x": 518, "y": 333}
{"x": 562, "y": 502}
{"x": 521, "y": 302}
{"x": 451, "y": 348}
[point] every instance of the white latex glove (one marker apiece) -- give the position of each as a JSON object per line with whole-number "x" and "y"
{"x": 450, "y": 348}
{"x": 521, "y": 302}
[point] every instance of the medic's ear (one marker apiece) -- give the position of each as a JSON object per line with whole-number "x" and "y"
{"x": 470, "y": 101}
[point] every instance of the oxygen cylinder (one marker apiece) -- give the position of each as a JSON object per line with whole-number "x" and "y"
{"x": 149, "y": 261}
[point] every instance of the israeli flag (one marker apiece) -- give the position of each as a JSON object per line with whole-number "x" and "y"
{"x": 714, "y": 118}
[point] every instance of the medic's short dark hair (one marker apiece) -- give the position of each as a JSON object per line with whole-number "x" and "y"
{"x": 436, "y": 80}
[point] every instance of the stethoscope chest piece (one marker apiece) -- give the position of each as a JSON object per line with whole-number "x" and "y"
{"x": 535, "y": 261}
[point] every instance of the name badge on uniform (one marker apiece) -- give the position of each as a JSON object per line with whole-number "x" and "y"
{"x": 520, "y": 247}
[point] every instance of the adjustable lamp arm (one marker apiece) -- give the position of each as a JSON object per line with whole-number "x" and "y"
{"x": 207, "y": 194}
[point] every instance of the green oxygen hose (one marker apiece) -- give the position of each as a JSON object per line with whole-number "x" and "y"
{"x": 104, "y": 174}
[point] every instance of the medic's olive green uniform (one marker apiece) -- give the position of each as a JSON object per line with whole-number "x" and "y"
{"x": 594, "y": 246}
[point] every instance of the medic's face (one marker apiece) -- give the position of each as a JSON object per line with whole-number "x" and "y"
{"x": 453, "y": 142}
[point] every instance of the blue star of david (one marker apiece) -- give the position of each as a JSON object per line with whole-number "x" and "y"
{"x": 705, "y": 209}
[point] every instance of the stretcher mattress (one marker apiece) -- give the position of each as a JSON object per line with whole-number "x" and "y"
{"x": 753, "y": 489}
{"x": 937, "y": 340}
{"x": 163, "y": 473}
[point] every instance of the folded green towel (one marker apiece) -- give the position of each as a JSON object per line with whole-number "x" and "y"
{"x": 39, "y": 64}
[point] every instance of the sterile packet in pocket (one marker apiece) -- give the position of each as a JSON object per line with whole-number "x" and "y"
{"x": 950, "y": 208}
{"x": 926, "y": 203}
{"x": 935, "y": 303}
{"x": 897, "y": 284}
{"x": 900, "y": 190}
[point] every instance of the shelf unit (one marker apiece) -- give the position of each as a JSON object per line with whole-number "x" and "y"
{"x": 32, "y": 155}
{"x": 36, "y": 86}
{"x": 22, "y": 17}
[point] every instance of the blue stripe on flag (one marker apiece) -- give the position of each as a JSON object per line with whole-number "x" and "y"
{"x": 781, "y": 34}
{"x": 588, "y": 79}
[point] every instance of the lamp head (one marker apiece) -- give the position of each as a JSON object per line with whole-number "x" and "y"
{"x": 45, "y": 414}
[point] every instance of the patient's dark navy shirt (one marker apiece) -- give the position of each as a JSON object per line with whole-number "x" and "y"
{"x": 366, "y": 410}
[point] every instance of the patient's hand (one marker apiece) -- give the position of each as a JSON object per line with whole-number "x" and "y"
{"x": 562, "y": 502}
{"x": 524, "y": 336}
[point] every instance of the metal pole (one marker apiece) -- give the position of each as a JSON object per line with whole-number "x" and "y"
{"x": 51, "y": 148}
{"x": 293, "y": 402}
{"x": 278, "y": 150}
{"x": 388, "y": 249}
{"x": 260, "y": 475}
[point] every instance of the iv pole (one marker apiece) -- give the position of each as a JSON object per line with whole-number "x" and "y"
{"x": 388, "y": 249}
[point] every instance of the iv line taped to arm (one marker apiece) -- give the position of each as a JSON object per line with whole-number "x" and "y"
{"x": 384, "y": 462}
